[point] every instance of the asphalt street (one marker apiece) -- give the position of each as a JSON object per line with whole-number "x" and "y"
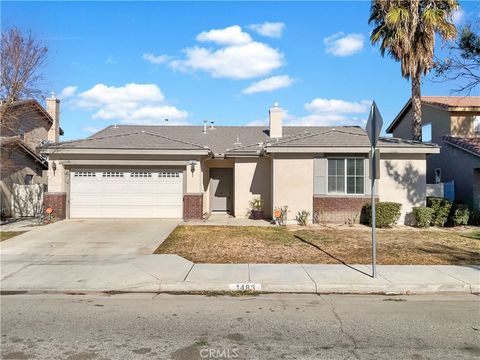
{"x": 275, "y": 326}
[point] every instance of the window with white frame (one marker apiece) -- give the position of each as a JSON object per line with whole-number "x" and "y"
{"x": 112, "y": 174}
{"x": 141, "y": 174}
{"x": 169, "y": 174}
{"x": 346, "y": 176}
{"x": 476, "y": 124}
{"x": 84, "y": 174}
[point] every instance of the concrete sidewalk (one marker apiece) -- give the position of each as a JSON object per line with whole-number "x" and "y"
{"x": 171, "y": 273}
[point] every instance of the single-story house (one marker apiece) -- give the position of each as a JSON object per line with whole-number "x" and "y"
{"x": 131, "y": 171}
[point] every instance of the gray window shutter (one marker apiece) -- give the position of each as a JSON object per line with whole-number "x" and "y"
{"x": 320, "y": 176}
{"x": 368, "y": 181}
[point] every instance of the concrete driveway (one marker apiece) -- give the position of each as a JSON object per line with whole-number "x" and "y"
{"x": 91, "y": 237}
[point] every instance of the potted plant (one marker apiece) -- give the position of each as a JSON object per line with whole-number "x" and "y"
{"x": 257, "y": 209}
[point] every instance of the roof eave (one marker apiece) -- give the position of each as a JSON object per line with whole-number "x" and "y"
{"x": 357, "y": 149}
{"x": 54, "y": 150}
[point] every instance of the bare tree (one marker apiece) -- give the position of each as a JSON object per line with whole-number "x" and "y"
{"x": 463, "y": 63}
{"x": 21, "y": 59}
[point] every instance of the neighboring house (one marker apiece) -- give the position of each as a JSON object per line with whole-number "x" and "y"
{"x": 186, "y": 171}
{"x": 454, "y": 124}
{"x": 21, "y": 163}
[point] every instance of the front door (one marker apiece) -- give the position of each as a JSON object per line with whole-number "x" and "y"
{"x": 221, "y": 183}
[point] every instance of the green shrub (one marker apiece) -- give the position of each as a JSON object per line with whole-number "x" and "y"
{"x": 302, "y": 217}
{"x": 423, "y": 216}
{"x": 387, "y": 213}
{"x": 441, "y": 208}
{"x": 460, "y": 214}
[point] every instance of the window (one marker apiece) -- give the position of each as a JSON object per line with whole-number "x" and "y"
{"x": 139, "y": 174}
{"x": 427, "y": 133}
{"x": 112, "y": 174}
{"x": 355, "y": 176}
{"x": 336, "y": 175}
{"x": 438, "y": 176}
{"x": 169, "y": 174}
{"x": 346, "y": 176}
{"x": 84, "y": 174}
{"x": 28, "y": 179}
{"x": 476, "y": 124}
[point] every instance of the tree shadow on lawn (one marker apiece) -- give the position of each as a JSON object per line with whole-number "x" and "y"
{"x": 454, "y": 255}
{"x": 330, "y": 255}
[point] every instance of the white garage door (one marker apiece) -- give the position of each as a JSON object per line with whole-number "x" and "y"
{"x": 126, "y": 194}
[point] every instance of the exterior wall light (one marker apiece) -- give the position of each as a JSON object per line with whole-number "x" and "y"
{"x": 192, "y": 165}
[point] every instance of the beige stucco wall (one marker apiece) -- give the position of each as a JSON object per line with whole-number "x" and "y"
{"x": 252, "y": 179}
{"x": 463, "y": 123}
{"x": 293, "y": 183}
{"x": 440, "y": 120}
{"x": 403, "y": 180}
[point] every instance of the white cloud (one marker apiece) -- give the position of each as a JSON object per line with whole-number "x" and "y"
{"x": 69, "y": 91}
{"x": 269, "y": 84}
{"x": 235, "y": 62}
{"x": 131, "y": 103}
{"x": 458, "y": 16}
{"x": 335, "y": 106}
{"x": 343, "y": 45}
{"x": 269, "y": 29}
{"x": 232, "y": 35}
{"x": 91, "y": 129}
{"x": 155, "y": 59}
{"x": 333, "y": 112}
{"x": 238, "y": 57}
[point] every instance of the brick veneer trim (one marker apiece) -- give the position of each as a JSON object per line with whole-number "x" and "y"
{"x": 56, "y": 201}
{"x": 192, "y": 207}
{"x": 338, "y": 209}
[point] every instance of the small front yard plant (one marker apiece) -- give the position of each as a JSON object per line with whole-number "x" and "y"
{"x": 441, "y": 209}
{"x": 257, "y": 208}
{"x": 460, "y": 215}
{"x": 387, "y": 214}
{"x": 423, "y": 216}
{"x": 302, "y": 217}
{"x": 280, "y": 215}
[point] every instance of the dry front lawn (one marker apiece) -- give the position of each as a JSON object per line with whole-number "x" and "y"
{"x": 5, "y": 235}
{"x": 322, "y": 245}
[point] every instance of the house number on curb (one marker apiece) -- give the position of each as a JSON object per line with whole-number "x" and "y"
{"x": 245, "y": 287}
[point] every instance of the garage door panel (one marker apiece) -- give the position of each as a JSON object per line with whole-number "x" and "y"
{"x": 126, "y": 194}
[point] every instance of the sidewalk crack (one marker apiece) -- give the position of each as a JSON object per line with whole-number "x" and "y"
{"x": 314, "y": 282}
{"x": 349, "y": 336}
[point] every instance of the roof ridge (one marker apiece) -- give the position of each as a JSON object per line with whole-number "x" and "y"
{"x": 95, "y": 138}
{"x": 180, "y": 141}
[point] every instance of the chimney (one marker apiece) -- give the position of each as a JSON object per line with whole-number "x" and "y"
{"x": 275, "y": 116}
{"x": 53, "y": 109}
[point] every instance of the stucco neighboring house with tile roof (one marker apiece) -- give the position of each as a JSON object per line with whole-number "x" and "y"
{"x": 455, "y": 126}
{"x": 188, "y": 171}
{"x": 21, "y": 164}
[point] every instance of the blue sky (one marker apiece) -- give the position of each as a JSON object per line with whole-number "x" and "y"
{"x": 142, "y": 62}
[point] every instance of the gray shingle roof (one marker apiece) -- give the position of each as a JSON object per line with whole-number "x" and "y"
{"x": 225, "y": 139}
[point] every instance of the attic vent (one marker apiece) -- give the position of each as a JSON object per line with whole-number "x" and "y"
{"x": 237, "y": 142}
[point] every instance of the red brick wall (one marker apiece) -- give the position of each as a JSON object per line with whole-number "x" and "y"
{"x": 192, "y": 207}
{"x": 58, "y": 202}
{"x": 338, "y": 209}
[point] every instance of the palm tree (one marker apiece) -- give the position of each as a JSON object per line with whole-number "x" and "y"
{"x": 406, "y": 31}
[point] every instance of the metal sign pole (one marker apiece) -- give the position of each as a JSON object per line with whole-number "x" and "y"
{"x": 374, "y": 215}
{"x": 373, "y": 129}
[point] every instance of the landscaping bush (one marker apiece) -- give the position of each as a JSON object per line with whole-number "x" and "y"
{"x": 423, "y": 216}
{"x": 302, "y": 217}
{"x": 387, "y": 213}
{"x": 460, "y": 214}
{"x": 441, "y": 209}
